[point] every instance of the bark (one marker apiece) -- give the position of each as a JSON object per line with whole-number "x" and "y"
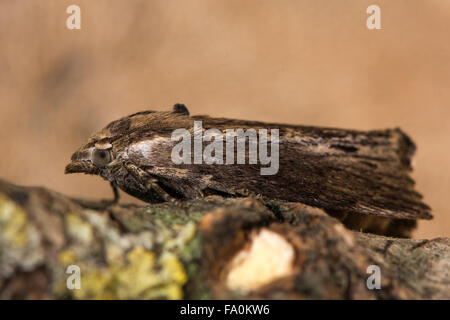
{"x": 208, "y": 248}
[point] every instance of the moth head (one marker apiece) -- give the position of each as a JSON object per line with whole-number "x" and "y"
{"x": 91, "y": 159}
{"x": 106, "y": 145}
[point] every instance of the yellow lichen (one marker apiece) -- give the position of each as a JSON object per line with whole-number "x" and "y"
{"x": 141, "y": 276}
{"x": 96, "y": 284}
{"x": 13, "y": 223}
{"x": 78, "y": 229}
{"x": 67, "y": 257}
{"x": 173, "y": 268}
{"x": 186, "y": 234}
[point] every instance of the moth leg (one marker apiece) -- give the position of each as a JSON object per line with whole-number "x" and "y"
{"x": 163, "y": 194}
{"x": 102, "y": 204}
{"x": 148, "y": 182}
{"x": 116, "y": 193}
{"x": 246, "y": 193}
{"x": 115, "y": 200}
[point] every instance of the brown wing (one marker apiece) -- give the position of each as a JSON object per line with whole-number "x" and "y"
{"x": 341, "y": 171}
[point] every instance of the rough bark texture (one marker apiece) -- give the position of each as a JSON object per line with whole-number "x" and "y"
{"x": 209, "y": 248}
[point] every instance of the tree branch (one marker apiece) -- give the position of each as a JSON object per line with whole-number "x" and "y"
{"x": 208, "y": 248}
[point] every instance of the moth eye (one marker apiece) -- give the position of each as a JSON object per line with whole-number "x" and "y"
{"x": 101, "y": 157}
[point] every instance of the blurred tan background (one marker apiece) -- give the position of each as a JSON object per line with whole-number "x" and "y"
{"x": 292, "y": 61}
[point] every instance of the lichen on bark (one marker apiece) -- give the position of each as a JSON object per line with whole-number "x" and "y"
{"x": 202, "y": 249}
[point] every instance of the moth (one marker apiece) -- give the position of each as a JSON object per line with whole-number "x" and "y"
{"x": 360, "y": 177}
